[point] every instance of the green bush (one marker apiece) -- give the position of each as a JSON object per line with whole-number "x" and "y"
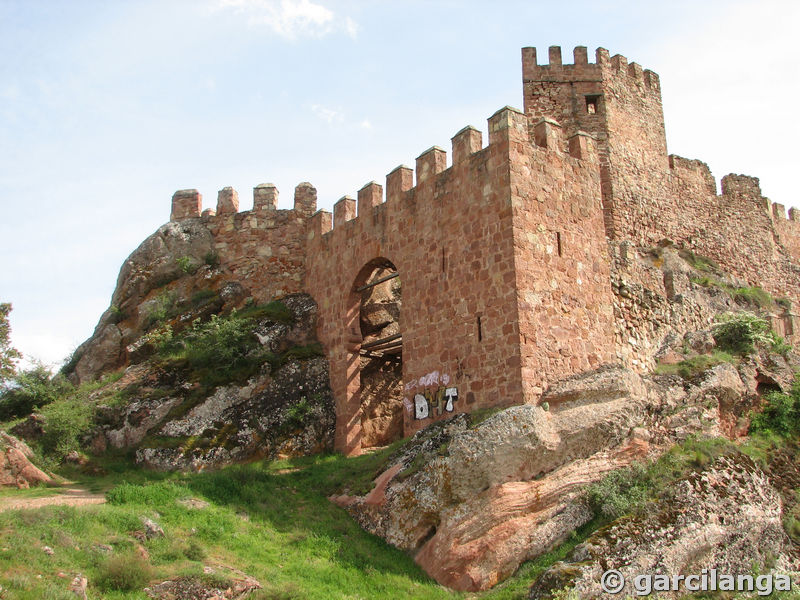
{"x": 620, "y": 492}
{"x": 117, "y": 314}
{"x": 275, "y": 311}
{"x": 699, "y": 262}
{"x": 741, "y": 332}
{"x": 752, "y": 295}
{"x": 626, "y": 491}
{"x": 66, "y": 422}
{"x": 123, "y": 572}
{"x": 31, "y": 389}
{"x": 691, "y": 367}
{"x": 222, "y": 342}
{"x": 780, "y": 415}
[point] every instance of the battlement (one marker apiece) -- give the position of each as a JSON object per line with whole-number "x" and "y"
{"x": 188, "y": 204}
{"x": 506, "y": 126}
{"x": 582, "y": 70}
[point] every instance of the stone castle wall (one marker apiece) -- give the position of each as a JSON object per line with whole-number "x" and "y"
{"x": 515, "y": 261}
{"x": 649, "y": 196}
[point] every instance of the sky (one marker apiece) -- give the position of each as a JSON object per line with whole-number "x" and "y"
{"x": 107, "y": 108}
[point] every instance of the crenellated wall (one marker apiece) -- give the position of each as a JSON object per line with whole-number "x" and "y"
{"x": 514, "y": 258}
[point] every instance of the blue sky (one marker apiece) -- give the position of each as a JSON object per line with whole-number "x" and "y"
{"x": 107, "y": 108}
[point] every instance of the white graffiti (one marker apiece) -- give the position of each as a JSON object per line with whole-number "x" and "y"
{"x": 452, "y": 395}
{"x": 421, "y": 407}
{"x": 431, "y": 379}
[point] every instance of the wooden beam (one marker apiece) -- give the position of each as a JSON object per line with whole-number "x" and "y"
{"x": 366, "y": 286}
{"x": 391, "y": 338}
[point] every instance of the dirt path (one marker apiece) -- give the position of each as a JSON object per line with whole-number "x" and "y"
{"x": 67, "y": 497}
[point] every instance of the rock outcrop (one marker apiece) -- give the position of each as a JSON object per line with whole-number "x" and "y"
{"x": 472, "y": 502}
{"x": 16, "y": 468}
{"x": 726, "y": 517}
{"x": 173, "y": 274}
{"x": 284, "y": 409}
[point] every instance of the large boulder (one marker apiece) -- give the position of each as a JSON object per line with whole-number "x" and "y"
{"x": 472, "y": 503}
{"x": 285, "y": 408}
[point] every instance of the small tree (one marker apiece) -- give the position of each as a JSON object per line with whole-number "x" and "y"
{"x": 8, "y": 354}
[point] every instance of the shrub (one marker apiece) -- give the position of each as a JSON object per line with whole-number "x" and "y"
{"x": 123, "y": 572}
{"x": 223, "y": 342}
{"x": 66, "y": 422}
{"x": 628, "y": 490}
{"x": 117, "y": 314}
{"x": 691, "y": 367}
{"x": 780, "y": 415}
{"x": 32, "y": 389}
{"x": 298, "y": 413}
{"x": 162, "y": 308}
{"x": 741, "y": 332}
{"x": 275, "y": 311}
{"x": 699, "y": 262}
{"x": 620, "y": 492}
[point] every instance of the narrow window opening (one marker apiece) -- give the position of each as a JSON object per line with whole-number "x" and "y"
{"x": 559, "y": 245}
{"x": 480, "y": 330}
{"x": 444, "y": 264}
{"x": 592, "y": 103}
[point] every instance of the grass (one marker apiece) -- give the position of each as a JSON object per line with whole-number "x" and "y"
{"x": 272, "y": 521}
{"x": 696, "y": 365}
{"x": 628, "y": 490}
{"x": 699, "y": 262}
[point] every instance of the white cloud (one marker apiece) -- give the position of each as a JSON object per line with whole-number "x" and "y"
{"x": 327, "y": 114}
{"x": 291, "y": 19}
{"x": 351, "y": 27}
{"x": 365, "y": 124}
{"x": 727, "y": 90}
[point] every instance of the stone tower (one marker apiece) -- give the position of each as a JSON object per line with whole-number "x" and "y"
{"x": 620, "y": 105}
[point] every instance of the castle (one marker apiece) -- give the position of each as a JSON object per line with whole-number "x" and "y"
{"x": 517, "y": 261}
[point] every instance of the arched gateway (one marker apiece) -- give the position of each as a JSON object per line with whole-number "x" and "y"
{"x": 474, "y": 245}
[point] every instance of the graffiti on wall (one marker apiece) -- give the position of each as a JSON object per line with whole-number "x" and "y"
{"x": 433, "y": 396}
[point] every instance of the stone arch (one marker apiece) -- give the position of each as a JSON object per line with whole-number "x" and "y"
{"x": 375, "y": 381}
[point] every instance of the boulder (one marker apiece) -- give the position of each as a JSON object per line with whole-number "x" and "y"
{"x": 16, "y": 468}
{"x": 473, "y": 503}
